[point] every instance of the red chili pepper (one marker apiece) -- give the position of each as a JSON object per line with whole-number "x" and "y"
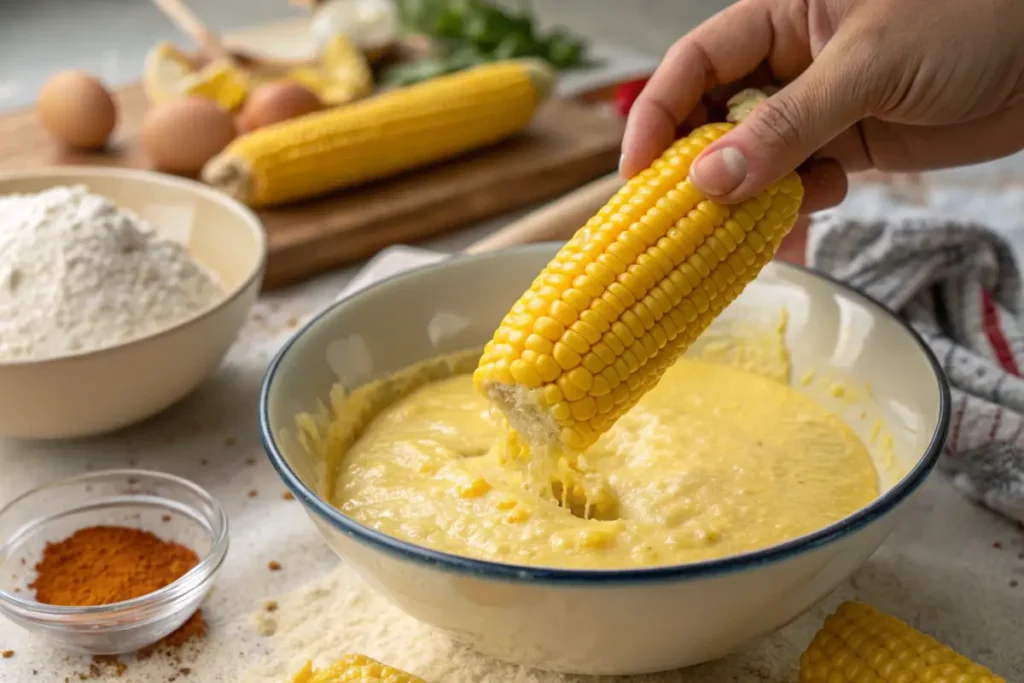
{"x": 626, "y": 94}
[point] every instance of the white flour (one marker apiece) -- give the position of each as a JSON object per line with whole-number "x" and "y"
{"x": 78, "y": 274}
{"x": 341, "y": 615}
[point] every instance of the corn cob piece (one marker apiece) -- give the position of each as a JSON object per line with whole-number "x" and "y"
{"x": 859, "y": 644}
{"x": 629, "y": 293}
{"x": 354, "y": 669}
{"x": 383, "y": 135}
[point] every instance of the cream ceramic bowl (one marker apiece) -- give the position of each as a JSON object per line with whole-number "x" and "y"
{"x": 92, "y": 393}
{"x": 604, "y": 622}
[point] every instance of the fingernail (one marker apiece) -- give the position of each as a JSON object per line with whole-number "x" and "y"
{"x": 622, "y": 157}
{"x": 720, "y": 172}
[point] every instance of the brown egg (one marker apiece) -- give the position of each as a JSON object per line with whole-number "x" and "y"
{"x": 182, "y": 135}
{"x": 277, "y": 101}
{"x": 75, "y": 108}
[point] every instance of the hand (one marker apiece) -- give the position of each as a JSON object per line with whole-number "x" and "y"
{"x": 896, "y": 85}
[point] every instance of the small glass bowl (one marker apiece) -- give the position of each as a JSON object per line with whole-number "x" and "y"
{"x": 173, "y": 508}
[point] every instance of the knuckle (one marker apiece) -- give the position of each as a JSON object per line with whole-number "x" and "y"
{"x": 868, "y": 68}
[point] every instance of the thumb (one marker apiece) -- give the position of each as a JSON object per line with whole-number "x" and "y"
{"x": 783, "y": 131}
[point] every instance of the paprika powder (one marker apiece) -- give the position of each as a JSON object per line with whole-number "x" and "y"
{"x": 102, "y": 565}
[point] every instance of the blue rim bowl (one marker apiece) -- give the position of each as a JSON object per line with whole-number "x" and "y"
{"x": 521, "y": 573}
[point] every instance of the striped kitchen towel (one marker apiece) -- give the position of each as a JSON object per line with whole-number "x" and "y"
{"x": 955, "y": 278}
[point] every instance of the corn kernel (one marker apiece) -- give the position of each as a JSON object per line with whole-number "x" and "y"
{"x": 575, "y": 342}
{"x": 517, "y": 515}
{"x": 550, "y": 329}
{"x": 475, "y": 488}
{"x": 525, "y": 373}
{"x": 570, "y": 390}
{"x": 584, "y": 409}
{"x": 595, "y": 538}
{"x": 507, "y": 503}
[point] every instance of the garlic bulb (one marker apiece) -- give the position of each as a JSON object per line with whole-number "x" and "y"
{"x": 368, "y": 24}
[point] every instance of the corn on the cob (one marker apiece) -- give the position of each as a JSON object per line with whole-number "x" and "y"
{"x": 354, "y": 669}
{"x": 383, "y": 135}
{"x": 859, "y": 644}
{"x": 627, "y": 295}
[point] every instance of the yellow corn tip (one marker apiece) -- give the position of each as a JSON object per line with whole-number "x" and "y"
{"x": 381, "y": 136}
{"x": 354, "y": 669}
{"x": 859, "y": 644}
{"x": 627, "y": 295}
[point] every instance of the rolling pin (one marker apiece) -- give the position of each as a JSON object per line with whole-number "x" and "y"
{"x": 557, "y": 220}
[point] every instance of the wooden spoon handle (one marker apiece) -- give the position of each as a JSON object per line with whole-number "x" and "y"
{"x": 555, "y": 221}
{"x": 186, "y": 20}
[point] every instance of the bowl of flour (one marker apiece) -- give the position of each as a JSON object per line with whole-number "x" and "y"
{"x": 120, "y": 292}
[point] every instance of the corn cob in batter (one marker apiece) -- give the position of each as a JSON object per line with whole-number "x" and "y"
{"x": 628, "y": 294}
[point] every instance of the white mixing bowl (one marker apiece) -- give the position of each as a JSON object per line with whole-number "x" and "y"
{"x": 614, "y": 621}
{"x": 85, "y": 394}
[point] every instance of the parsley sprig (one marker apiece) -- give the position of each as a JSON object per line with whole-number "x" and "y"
{"x": 471, "y": 32}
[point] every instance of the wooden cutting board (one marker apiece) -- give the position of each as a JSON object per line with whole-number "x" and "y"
{"x": 568, "y": 145}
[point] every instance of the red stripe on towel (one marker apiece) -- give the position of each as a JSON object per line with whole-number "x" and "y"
{"x": 996, "y": 421}
{"x": 990, "y": 323}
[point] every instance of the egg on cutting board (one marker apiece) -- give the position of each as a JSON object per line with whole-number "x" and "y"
{"x": 277, "y": 101}
{"x": 77, "y": 110}
{"x": 180, "y": 136}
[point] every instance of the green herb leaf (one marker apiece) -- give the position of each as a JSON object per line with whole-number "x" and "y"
{"x": 515, "y": 45}
{"x": 471, "y": 32}
{"x": 413, "y": 72}
{"x": 562, "y": 50}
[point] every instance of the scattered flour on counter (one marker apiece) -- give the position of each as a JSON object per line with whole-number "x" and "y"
{"x": 341, "y": 615}
{"x": 78, "y": 274}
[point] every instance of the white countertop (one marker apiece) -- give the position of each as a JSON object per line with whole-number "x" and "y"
{"x": 942, "y": 569}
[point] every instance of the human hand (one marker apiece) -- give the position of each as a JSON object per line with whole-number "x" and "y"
{"x": 896, "y": 85}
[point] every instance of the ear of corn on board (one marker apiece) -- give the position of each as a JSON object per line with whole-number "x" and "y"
{"x": 567, "y": 145}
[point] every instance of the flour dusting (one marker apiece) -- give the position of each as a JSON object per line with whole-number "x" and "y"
{"x": 341, "y": 615}
{"x": 78, "y": 274}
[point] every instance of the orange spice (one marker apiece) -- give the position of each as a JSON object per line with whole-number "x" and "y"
{"x": 106, "y": 564}
{"x": 102, "y": 565}
{"x": 103, "y": 666}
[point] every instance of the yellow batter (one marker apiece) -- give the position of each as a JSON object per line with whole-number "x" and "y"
{"x": 715, "y": 461}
